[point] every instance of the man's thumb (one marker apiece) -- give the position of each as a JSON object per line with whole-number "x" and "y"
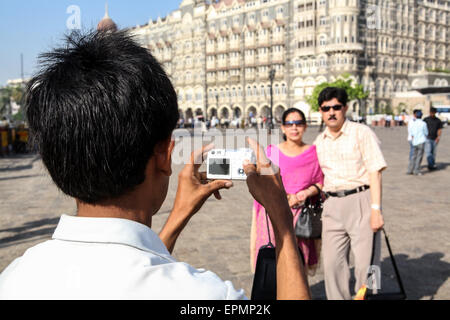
{"x": 218, "y": 185}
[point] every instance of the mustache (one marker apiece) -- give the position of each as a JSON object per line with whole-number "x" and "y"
{"x": 332, "y": 118}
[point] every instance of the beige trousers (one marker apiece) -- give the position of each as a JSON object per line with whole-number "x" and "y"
{"x": 346, "y": 225}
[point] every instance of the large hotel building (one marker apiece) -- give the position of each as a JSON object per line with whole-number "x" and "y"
{"x": 219, "y": 54}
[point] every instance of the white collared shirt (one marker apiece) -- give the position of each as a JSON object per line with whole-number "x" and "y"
{"x": 106, "y": 258}
{"x": 348, "y": 159}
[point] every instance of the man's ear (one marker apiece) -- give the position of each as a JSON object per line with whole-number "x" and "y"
{"x": 163, "y": 156}
{"x": 345, "y": 109}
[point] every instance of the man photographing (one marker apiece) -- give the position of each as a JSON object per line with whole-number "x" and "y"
{"x": 102, "y": 112}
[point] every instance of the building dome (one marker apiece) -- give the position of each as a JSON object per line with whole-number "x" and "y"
{"x": 106, "y": 24}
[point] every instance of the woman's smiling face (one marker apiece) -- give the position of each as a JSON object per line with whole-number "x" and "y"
{"x": 294, "y": 132}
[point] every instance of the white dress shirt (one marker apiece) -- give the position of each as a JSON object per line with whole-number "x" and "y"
{"x": 106, "y": 258}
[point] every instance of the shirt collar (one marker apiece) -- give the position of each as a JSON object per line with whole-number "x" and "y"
{"x": 111, "y": 231}
{"x": 344, "y": 130}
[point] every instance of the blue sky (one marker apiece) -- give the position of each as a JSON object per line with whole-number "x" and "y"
{"x": 33, "y": 26}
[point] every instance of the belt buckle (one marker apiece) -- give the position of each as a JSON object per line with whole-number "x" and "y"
{"x": 341, "y": 194}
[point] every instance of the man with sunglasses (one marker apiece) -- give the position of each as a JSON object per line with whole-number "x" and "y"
{"x": 352, "y": 162}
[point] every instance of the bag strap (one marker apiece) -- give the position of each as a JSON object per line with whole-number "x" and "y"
{"x": 394, "y": 264}
{"x": 318, "y": 189}
{"x": 270, "y": 244}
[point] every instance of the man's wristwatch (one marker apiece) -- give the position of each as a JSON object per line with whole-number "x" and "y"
{"x": 376, "y": 207}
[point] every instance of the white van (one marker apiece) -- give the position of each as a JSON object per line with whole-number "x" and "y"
{"x": 443, "y": 113}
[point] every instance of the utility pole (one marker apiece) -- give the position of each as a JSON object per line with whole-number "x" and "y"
{"x": 271, "y": 77}
{"x": 21, "y": 67}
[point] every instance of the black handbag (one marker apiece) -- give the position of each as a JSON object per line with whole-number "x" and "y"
{"x": 265, "y": 280}
{"x": 367, "y": 294}
{"x": 309, "y": 223}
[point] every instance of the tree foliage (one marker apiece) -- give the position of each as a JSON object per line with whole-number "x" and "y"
{"x": 354, "y": 90}
{"x": 5, "y": 99}
{"x": 7, "y": 94}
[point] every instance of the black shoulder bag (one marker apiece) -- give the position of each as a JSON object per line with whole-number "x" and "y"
{"x": 309, "y": 223}
{"x": 265, "y": 280}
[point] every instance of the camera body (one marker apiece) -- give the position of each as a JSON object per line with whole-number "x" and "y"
{"x": 228, "y": 164}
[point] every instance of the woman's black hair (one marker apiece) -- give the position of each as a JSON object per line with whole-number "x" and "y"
{"x": 96, "y": 110}
{"x": 287, "y": 113}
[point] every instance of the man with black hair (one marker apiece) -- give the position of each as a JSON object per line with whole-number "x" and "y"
{"x": 418, "y": 132}
{"x": 102, "y": 112}
{"x": 351, "y": 160}
{"x": 435, "y": 127}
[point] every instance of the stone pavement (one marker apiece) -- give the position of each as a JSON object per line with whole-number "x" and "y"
{"x": 416, "y": 212}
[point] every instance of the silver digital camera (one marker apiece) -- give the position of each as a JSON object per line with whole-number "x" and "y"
{"x": 228, "y": 164}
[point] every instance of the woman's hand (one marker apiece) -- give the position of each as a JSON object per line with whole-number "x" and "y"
{"x": 292, "y": 199}
{"x": 302, "y": 195}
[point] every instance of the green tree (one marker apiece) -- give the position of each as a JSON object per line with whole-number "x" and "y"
{"x": 17, "y": 94}
{"x": 6, "y": 94}
{"x": 5, "y": 100}
{"x": 354, "y": 90}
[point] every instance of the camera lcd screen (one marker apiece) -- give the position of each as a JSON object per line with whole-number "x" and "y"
{"x": 219, "y": 167}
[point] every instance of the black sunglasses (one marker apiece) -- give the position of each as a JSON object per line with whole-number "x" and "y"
{"x": 337, "y": 107}
{"x": 297, "y": 123}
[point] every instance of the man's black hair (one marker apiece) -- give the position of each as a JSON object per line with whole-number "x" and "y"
{"x": 418, "y": 113}
{"x": 96, "y": 110}
{"x": 330, "y": 93}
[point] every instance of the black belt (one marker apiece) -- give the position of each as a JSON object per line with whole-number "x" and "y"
{"x": 344, "y": 193}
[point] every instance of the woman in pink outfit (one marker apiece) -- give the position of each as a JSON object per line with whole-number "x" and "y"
{"x": 300, "y": 171}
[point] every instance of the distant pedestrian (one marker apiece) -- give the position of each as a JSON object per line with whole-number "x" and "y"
{"x": 260, "y": 122}
{"x": 410, "y": 122}
{"x": 434, "y": 125}
{"x": 388, "y": 121}
{"x": 418, "y": 131}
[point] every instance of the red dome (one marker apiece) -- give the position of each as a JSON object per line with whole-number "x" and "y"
{"x": 106, "y": 24}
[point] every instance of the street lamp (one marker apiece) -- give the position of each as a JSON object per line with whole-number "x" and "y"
{"x": 271, "y": 77}
{"x": 217, "y": 104}
{"x": 206, "y": 108}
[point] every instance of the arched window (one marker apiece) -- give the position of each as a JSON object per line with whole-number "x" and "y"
{"x": 277, "y": 89}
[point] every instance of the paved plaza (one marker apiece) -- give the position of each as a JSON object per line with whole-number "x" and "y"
{"x": 416, "y": 212}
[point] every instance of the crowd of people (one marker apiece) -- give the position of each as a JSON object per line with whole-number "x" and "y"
{"x": 252, "y": 121}
{"x": 106, "y": 142}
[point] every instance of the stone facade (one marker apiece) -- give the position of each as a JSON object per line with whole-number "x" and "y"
{"x": 219, "y": 55}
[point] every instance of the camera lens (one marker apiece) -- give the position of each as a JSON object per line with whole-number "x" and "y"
{"x": 213, "y": 152}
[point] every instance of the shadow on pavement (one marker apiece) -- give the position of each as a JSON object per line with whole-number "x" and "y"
{"x": 28, "y": 166}
{"x": 422, "y": 277}
{"x": 27, "y": 231}
{"x": 20, "y": 177}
